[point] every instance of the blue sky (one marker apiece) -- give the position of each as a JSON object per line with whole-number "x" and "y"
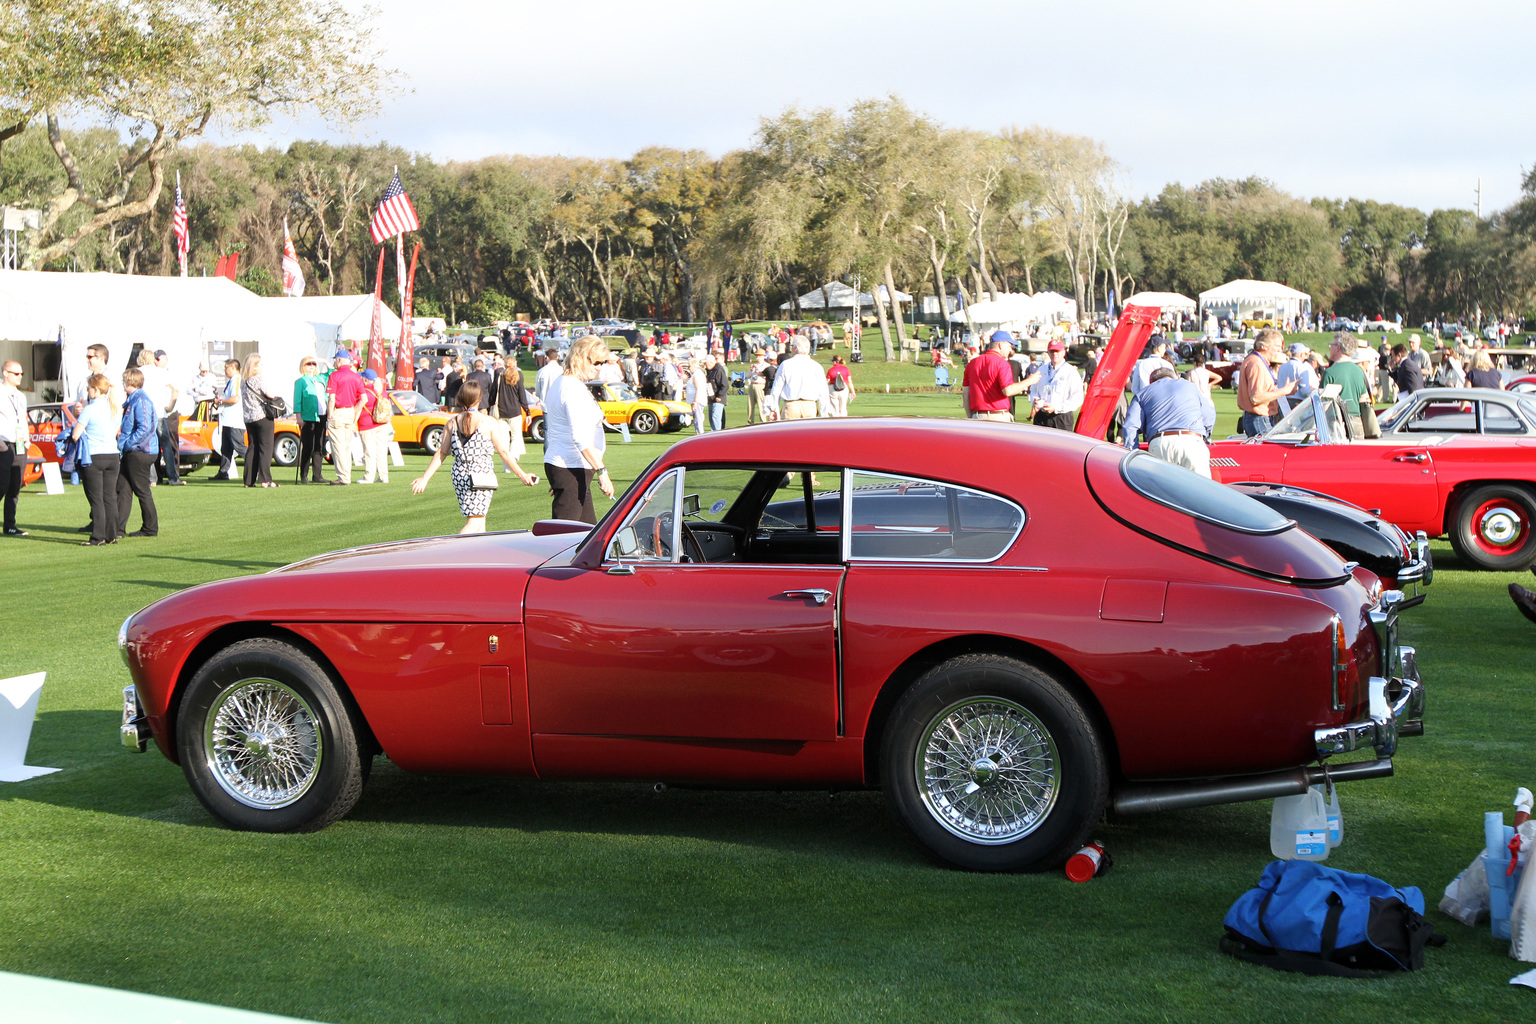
{"x": 1406, "y": 102}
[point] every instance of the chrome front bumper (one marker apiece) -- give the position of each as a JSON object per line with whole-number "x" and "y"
{"x": 135, "y": 728}
{"x": 1395, "y": 698}
{"x": 1417, "y": 574}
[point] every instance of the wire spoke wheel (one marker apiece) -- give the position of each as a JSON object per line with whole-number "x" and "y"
{"x": 263, "y": 743}
{"x": 988, "y": 770}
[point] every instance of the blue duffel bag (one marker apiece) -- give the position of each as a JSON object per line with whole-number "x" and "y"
{"x": 1317, "y": 920}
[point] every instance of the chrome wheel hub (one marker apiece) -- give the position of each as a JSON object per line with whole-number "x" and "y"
{"x": 1500, "y": 526}
{"x": 987, "y": 770}
{"x": 263, "y": 743}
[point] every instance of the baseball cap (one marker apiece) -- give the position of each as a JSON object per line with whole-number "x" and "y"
{"x": 370, "y": 374}
{"x": 1297, "y": 348}
{"x": 160, "y": 353}
{"x": 343, "y": 356}
{"x": 1001, "y": 335}
{"x": 1056, "y": 346}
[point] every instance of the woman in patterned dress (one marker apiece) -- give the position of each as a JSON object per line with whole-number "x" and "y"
{"x": 472, "y": 439}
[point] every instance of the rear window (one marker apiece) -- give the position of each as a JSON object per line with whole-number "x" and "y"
{"x": 1177, "y": 488}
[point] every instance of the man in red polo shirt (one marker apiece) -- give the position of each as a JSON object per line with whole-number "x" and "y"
{"x": 989, "y": 383}
{"x": 345, "y": 387}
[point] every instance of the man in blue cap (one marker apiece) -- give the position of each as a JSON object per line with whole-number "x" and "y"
{"x": 989, "y": 383}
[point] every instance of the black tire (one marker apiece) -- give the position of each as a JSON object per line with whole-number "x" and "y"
{"x": 432, "y": 438}
{"x": 267, "y": 690}
{"x": 1495, "y": 528}
{"x": 644, "y": 421}
{"x": 285, "y": 449}
{"x": 536, "y": 430}
{"x": 1017, "y": 824}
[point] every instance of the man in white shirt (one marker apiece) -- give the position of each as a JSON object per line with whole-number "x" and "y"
{"x": 1297, "y": 369}
{"x": 15, "y": 434}
{"x": 800, "y": 386}
{"x": 1058, "y": 394}
{"x": 158, "y": 386}
{"x": 1141, "y": 373}
{"x": 231, "y": 421}
{"x": 548, "y": 373}
{"x": 671, "y": 378}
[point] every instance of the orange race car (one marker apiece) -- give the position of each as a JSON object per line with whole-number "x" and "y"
{"x": 49, "y": 419}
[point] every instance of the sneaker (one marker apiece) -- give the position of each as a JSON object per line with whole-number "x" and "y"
{"x": 141, "y": 533}
{"x": 11, "y": 531}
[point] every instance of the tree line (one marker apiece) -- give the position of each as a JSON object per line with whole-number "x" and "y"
{"x": 876, "y": 194}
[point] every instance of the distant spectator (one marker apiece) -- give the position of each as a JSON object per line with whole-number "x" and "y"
{"x": 1482, "y": 374}
{"x": 259, "y": 425}
{"x": 472, "y": 439}
{"x": 231, "y": 421}
{"x": 840, "y": 389}
{"x": 1406, "y": 372}
{"x": 138, "y": 443}
{"x": 309, "y": 407}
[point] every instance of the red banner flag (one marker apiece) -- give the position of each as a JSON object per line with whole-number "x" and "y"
{"x": 376, "y": 331}
{"x": 218, "y": 267}
{"x": 405, "y": 360}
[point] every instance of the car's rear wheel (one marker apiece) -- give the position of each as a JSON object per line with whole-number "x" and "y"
{"x": 285, "y": 449}
{"x": 1494, "y": 528}
{"x": 432, "y": 439}
{"x": 992, "y": 765}
{"x": 267, "y": 742}
{"x": 644, "y": 421}
{"x": 536, "y": 430}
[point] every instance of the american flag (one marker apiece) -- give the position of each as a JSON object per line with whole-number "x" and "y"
{"x": 395, "y": 214}
{"x": 179, "y": 227}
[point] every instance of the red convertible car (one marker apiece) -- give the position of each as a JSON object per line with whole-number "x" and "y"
{"x": 1457, "y": 462}
{"x": 1010, "y": 630}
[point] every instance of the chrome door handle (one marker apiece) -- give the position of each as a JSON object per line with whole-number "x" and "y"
{"x": 821, "y": 597}
{"x": 1412, "y": 457}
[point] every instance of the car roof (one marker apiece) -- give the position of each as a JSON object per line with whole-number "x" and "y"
{"x": 977, "y": 453}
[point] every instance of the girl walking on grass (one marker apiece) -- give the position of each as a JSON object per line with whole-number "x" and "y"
{"x": 472, "y": 439}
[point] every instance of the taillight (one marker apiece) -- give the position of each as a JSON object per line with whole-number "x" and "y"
{"x": 1341, "y": 664}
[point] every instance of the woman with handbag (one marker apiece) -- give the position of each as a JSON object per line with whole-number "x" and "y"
{"x": 309, "y": 407}
{"x": 472, "y": 440}
{"x": 260, "y": 407}
{"x": 97, "y": 427}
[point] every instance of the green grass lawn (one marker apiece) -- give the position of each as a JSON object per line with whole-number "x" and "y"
{"x": 467, "y": 899}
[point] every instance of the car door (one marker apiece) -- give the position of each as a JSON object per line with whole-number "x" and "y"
{"x": 1397, "y": 478}
{"x": 651, "y": 645}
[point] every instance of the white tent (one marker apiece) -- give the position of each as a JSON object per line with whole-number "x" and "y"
{"x": 1167, "y": 301}
{"x": 1063, "y": 307}
{"x": 1240, "y": 299}
{"x": 840, "y": 296}
{"x": 338, "y": 318}
{"x": 193, "y": 319}
{"x": 1007, "y": 308}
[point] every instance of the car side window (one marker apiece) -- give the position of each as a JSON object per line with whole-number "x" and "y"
{"x": 649, "y": 533}
{"x": 895, "y": 518}
{"x": 1500, "y": 419}
{"x": 1443, "y": 416}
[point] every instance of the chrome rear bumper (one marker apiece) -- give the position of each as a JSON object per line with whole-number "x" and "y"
{"x": 1417, "y": 574}
{"x": 1395, "y": 702}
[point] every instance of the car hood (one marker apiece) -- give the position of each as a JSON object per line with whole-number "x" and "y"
{"x": 1103, "y": 392}
{"x": 459, "y": 579}
{"x": 513, "y": 549}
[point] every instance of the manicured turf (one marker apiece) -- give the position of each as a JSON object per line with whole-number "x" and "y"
{"x": 460, "y": 900}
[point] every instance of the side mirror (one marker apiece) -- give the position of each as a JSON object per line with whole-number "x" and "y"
{"x": 690, "y": 504}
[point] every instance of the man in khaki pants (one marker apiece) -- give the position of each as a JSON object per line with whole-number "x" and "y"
{"x": 345, "y": 389}
{"x": 800, "y": 386}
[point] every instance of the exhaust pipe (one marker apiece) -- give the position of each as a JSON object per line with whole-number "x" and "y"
{"x": 1151, "y": 797}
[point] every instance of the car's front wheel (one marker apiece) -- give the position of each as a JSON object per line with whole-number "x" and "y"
{"x": 644, "y": 421}
{"x": 432, "y": 439}
{"x": 536, "y": 430}
{"x": 993, "y": 765}
{"x": 1493, "y": 528}
{"x": 266, "y": 740}
{"x": 285, "y": 449}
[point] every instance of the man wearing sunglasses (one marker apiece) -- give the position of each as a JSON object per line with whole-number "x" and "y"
{"x": 15, "y": 433}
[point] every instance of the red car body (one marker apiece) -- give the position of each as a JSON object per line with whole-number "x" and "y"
{"x": 877, "y": 576}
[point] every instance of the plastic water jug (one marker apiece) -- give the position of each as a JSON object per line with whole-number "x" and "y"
{"x": 1330, "y": 794}
{"x": 1298, "y": 827}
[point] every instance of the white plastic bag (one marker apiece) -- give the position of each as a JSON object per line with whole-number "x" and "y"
{"x": 1466, "y": 898}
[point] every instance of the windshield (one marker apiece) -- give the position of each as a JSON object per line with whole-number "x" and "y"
{"x": 1299, "y": 426}
{"x": 622, "y": 393}
{"x": 1390, "y": 418}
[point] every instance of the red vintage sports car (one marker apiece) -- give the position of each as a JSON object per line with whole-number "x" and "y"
{"x": 1010, "y": 630}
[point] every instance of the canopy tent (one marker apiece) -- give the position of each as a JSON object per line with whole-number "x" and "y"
{"x": 194, "y": 319}
{"x": 339, "y": 318}
{"x": 1238, "y": 300}
{"x": 840, "y": 296}
{"x": 1168, "y": 302}
{"x": 1016, "y": 312}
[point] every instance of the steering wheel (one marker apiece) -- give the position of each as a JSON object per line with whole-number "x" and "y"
{"x": 692, "y": 550}
{"x": 659, "y": 538}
